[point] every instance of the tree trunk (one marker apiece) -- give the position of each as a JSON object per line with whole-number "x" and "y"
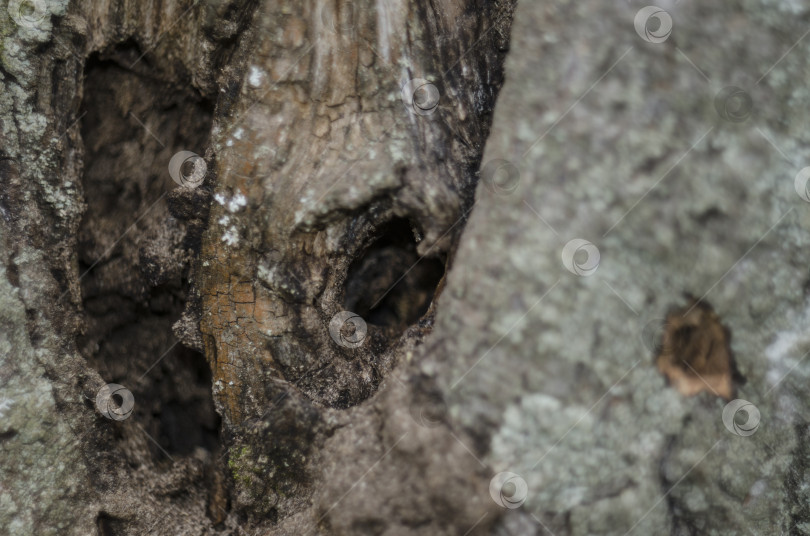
{"x": 249, "y": 283}
{"x": 199, "y": 200}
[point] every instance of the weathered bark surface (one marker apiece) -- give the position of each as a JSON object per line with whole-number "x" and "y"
{"x": 494, "y": 342}
{"x": 324, "y": 190}
{"x": 321, "y": 167}
{"x": 96, "y": 98}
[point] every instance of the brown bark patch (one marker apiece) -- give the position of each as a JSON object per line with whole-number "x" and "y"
{"x": 695, "y": 352}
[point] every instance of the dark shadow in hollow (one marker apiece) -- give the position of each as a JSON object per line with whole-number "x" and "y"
{"x": 134, "y": 251}
{"x": 389, "y": 285}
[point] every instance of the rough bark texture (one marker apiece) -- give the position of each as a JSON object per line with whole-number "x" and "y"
{"x": 512, "y": 325}
{"x": 325, "y": 184}
{"x": 323, "y": 192}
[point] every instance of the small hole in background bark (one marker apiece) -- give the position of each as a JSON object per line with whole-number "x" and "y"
{"x": 695, "y": 351}
{"x": 389, "y": 285}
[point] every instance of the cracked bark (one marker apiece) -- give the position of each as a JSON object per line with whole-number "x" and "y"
{"x": 323, "y": 193}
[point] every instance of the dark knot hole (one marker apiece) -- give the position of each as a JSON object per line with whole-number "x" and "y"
{"x": 389, "y": 284}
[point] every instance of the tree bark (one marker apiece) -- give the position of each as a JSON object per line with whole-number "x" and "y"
{"x": 194, "y": 198}
{"x": 250, "y": 283}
